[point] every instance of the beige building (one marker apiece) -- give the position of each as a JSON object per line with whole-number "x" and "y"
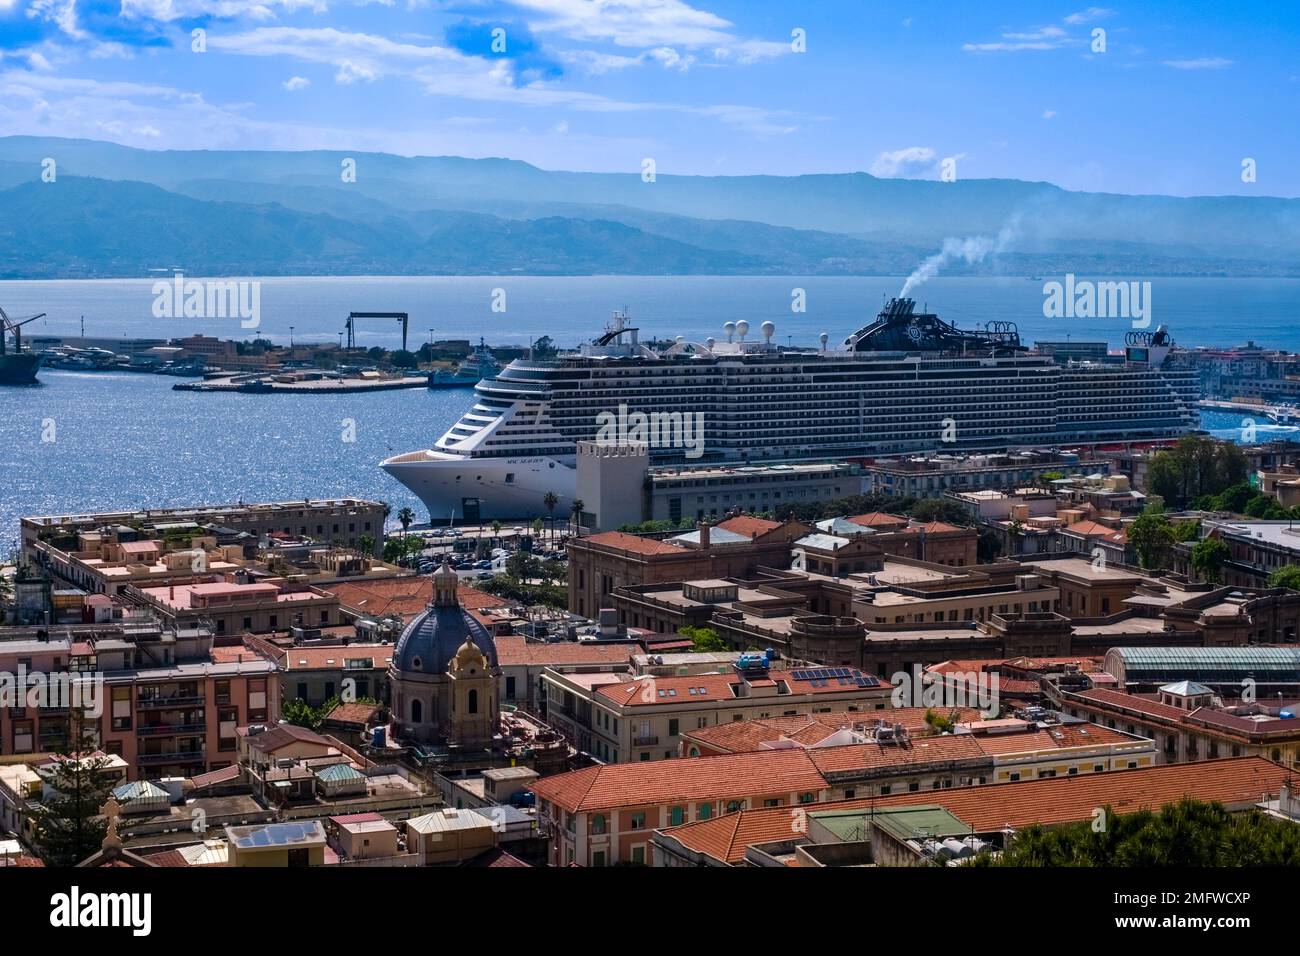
{"x": 619, "y": 718}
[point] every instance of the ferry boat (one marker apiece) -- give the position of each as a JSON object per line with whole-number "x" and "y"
{"x": 907, "y": 382}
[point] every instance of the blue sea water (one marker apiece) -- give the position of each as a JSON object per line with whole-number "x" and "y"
{"x": 123, "y": 440}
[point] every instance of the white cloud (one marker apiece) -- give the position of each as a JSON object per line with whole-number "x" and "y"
{"x": 648, "y": 25}
{"x": 1091, "y": 15}
{"x": 911, "y": 159}
{"x": 350, "y": 73}
{"x": 295, "y": 83}
{"x": 1048, "y": 114}
{"x": 1199, "y": 63}
{"x": 631, "y": 23}
{"x": 441, "y": 71}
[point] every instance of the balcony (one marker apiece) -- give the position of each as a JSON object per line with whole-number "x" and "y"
{"x": 645, "y": 741}
{"x": 158, "y": 730}
{"x": 161, "y": 703}
{"x": 179, "y": 756}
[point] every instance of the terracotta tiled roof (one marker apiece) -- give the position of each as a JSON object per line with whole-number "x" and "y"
{"x": 809, "y": 729}
{"x": 879, "y": 519}
{"x": 635, "y": 544}
{"x": 1055, "y": 800}
{"x": 748, "y": 526}
{"x": 405, "y": 596}
{"x": 653, "y": 783}
{"x": 1090, "y": 529}
{"x": 935, "y": 527}
{"x": 670, "y": 690}
{"x": 921, "y": 751}
{"x": 332, "y": 657}
{"x": 516, "y": 650}
{"x": 1141, "y": 705}
{"x": 355, "y": 713}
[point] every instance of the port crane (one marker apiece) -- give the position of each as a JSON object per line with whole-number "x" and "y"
{"x": 15, "y": 326}
{"x": 353, "y": 316}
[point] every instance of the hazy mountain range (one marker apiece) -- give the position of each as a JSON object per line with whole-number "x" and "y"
{"x": 114, "y": 211}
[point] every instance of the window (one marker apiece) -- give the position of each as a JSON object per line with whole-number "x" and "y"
{"x": 598, "y": 858}
{"x": 638, "y": 821}
{"x": 704, "y": 811}
{"x": 227, "y": 721}
{"x": 121, "y": 708}
{"x": 676, "y": 816}
{"x": 598, "y": 823}
{"x": 256, "y": 699}
{"x": 638, "y": 854}
{"x": 735, "y": 806}
{"x": 672, "y": 727}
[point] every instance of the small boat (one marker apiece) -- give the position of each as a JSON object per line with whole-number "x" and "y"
{"x": 477, "y": 366}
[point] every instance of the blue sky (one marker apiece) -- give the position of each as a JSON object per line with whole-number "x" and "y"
{"x": 1181, "y": 94}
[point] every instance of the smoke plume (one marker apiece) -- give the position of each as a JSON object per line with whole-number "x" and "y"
{"x": 971, "y": 250}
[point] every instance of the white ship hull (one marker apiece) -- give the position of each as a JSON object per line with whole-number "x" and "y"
{"x": 503, "y": 488}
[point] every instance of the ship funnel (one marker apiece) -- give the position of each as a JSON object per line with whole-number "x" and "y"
{"x": 730, "y": 329}
{"x": 823, "y": 338}
{"x": 742, "y": 328}
{"x": 768, "y": 329}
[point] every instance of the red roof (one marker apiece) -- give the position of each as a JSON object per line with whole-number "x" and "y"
{"x": 653, "y": 783}
{"x": 1235, "y": 782}
{"x": 879, "y": 519}
{"x": 808, "y": 729}
{"x": 516, "y": 650}
{"x": 749, "y": 526}
{"x": 633, "y": 543}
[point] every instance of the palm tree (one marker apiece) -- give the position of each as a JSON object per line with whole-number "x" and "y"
{"x": 575, "y": 516}
{"x": 552, "y": 501}
{"x": 496, "y": 532}
{"x": 404, "y": 518}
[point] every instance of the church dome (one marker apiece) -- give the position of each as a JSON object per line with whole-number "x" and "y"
{"x": 434, "y": 637}
{"x": 438, "y": 633}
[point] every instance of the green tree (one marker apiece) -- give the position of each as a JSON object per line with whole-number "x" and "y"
{"x": 366, "y": 544}
{"x": 705, "y": 639}
{"x": 496, "y": 531}
{"x": 521, "y": 566}
{"x": 405, "y": 517}
{"x": 1208, "y": 557}
{"x": 988, "y": 546}
{"x": 1189, "y": 833}
{"x": 1151, "y": 537}
{"x": 575, "y": 516}
{"x": 1287, "y": 577}
{"x": 404, "y": 359}
{"x": 68, "y": 827}
{"x": 551, "y": 501}
{"x": 1194, "y": 467}
{"x": 1187, "y": 530}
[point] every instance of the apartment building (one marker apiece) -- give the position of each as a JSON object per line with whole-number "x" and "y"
{"x": 619, "y": 718}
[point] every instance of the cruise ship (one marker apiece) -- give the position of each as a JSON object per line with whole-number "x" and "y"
{"x": 908, "y": 382}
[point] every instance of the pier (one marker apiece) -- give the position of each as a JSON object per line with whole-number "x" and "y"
{"x": 266, "y": 385}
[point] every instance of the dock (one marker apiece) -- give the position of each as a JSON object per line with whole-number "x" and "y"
{"x": 268, "y": 385}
